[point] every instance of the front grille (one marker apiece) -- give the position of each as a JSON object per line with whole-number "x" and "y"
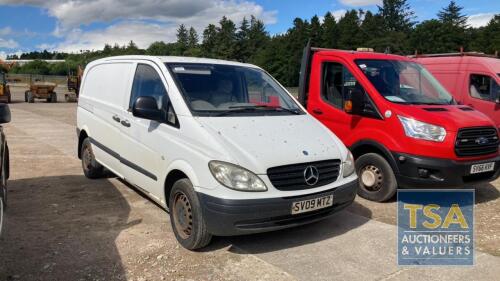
{"x": 476, "y": 141}
{"x": 291, "y": 177}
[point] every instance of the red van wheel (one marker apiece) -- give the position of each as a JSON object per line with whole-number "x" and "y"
{"x": 376, "y": 178}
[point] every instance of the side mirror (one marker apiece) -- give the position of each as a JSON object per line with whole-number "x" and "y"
{"x": 4, "y": 113}
{"x": 355, "y": 103}
{"x": 147, "y": 108}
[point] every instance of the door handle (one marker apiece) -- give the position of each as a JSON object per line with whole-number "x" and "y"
{"x": 116, "y": 118}
{"x": 471, "y": 105}
{"x": 125, "y": 123}
{"x": 317, "y": 111}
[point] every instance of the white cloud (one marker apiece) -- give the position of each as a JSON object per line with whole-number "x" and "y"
{"x": 358, "y": 3}
{"x": 479, "y": 20}
{"x": 339, "y": 14}
{"x": 8, "y": 43}
{"x": 45, "y": 46}
{"x": 3, "y": 54}
{"x": 141, "y": 33}
{"x": 143, "y": 21}
{"x": 5, "y": 31}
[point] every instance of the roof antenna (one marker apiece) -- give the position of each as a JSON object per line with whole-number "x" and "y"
{"x": 387, "y": 50}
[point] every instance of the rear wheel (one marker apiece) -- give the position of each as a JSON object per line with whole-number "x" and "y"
{"x": 91, "y": 168}
{"x": 186, "y": 216}
{"x": 53, "y": 97}
{"x": 377, "y": 181}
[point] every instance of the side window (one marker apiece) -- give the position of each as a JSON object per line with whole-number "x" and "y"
{"x": 147, "y": 82}
{"x": 480, "y": 87}
{"x": 338, "y": 83}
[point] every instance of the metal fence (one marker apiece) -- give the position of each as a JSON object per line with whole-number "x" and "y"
{"x": 26, "y": 79}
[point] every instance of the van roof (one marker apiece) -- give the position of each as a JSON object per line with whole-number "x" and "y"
{"x": 176, "y": 59}
{"x": 353, "y": 55}
{"x": 491, "y": 62}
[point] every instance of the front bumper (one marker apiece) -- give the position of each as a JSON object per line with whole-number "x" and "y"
{"x": 226, "y": 217}
{"x": 442, "y": 173}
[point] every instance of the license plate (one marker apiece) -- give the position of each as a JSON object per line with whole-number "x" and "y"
{"x": 312, "y": 204}
{"x": 481, "y": 168}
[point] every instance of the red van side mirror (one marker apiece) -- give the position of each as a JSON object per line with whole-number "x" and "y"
{"x": 355, "y": 103}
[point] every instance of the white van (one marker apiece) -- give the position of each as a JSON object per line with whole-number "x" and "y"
{"x": 221, "y": 145}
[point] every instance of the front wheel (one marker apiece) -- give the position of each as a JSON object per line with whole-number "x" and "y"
{"x": 186, "y": 216}
{"x": 53, "y": 97}
{"x": 377, "y": 181}
{"x": 3, "y": 195}
{"x": 30, "y": 97}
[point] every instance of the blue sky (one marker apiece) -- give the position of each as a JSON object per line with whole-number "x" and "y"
{"x": 67, "y": 25}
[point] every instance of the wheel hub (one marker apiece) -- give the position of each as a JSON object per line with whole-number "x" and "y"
{"x": 87, "y": 158}
{"x": 183, "y": 216}
{"x": 371, "y": 177}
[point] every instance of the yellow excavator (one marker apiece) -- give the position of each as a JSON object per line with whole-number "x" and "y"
{"x": 4, "y": 89}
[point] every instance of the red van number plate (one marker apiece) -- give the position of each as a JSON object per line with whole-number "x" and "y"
{"x": 481, "y": 168}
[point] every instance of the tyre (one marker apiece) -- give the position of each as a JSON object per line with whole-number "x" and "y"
{"x": 377, "y": 181}
{"x": 25, "y": 96}
{"x": 3, "y": 195}
{"x": 30, "y": 97}
{"x": 186, "y": 216}
{"x": 2, "y": 210}
{"x": 53, "y": 97}
{"x": 91, "y": 168}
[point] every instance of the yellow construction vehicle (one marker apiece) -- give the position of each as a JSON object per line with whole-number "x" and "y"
{"x": 4, "y": 89}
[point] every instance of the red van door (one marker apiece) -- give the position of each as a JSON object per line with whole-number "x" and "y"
{"x": 482, "y": 93}
{"x": 336, "y": 83}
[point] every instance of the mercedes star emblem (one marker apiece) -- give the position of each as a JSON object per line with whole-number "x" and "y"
{"x": 311, "y": 175}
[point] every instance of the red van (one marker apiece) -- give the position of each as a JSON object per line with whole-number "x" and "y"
{"x": 403, "y": 128}
{"x": 472, "y": 78}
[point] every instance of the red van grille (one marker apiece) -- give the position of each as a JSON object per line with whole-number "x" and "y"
{"x": 291, "y": 177}
{"x": 476, "y": 141}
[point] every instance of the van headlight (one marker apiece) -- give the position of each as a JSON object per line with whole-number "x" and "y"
{"x": 420, "y": 130}
{"x": 348, "y": 166}
{"x": 235, "y": 177}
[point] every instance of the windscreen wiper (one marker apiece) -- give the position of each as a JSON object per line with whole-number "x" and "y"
{"x": 244, "y": 108}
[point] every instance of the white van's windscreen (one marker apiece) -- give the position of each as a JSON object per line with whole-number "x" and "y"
{"x": 229, "y": 90}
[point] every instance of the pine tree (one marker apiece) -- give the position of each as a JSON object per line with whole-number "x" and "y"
{"x": 373, "y": 33}
{"x": 452, "y": 14}
{"x": 209, "y": 41}
{"x": 225, "y": 47}
{"x": 257, "y": 37}
{"x": 182, "y": 39}
{"x": 329, "y": 32}
{"x": 349, "y": 28}
{"x": 315, "y": 31}
{"x": 192, "y": 38}
{"x": 397, "y": 15}
{"x": 242, "y": 36}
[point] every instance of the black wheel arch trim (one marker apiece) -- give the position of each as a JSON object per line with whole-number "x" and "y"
{"x": 386, "y": 153}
